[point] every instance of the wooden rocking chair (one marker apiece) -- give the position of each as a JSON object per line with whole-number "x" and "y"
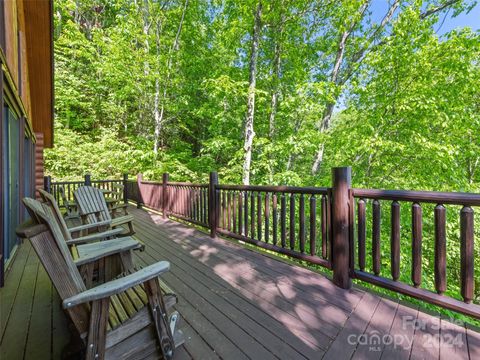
{"x": 96, "y": 260}
{"x": 94, "y": 210}
{"x": 74, "y": 231}
{"x": 122, "y": 319}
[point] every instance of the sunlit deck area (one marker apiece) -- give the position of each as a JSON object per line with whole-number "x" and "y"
{"x": 238, "y": 303}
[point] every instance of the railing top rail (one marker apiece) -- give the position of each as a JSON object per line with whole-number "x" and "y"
{"x": 454, "y": 198}
{"x": 150, "y": 182}
{"x": 277, "y": 189}
{"x": 106, "y": 181}
{"x": 173, "y": 183}
{"x": 67, "y": 182}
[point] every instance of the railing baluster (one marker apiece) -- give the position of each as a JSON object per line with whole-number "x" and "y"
{"x": 184, "y": 201}
{"x": 217, "y": 207}
{"x": 234, "y": 211}
{"x": 252, "y": 214}
{"x": 229, "y": 218}
{"x": 205, "y": 205}
{"x": 182, "y": 206}
{"x": 395, "y": 241}
{"x": 222, "y": 215}
{"x": 440, "y": 249}
{"x": 267, "y": 216}
{"x": 240, "y": 213}
{"x": 197, "y": 204}
{"x": 259, "y": 216}
{"x": 376, "y": 236}
{"x": 301, "y": 230}
{"x": 245, "y": 211}
{"x": 323, "y": 224}
{"x": 275, "y": 219}
{"x": 466, "y": 253}
{"x": 283, "y": 220}
{"x": 191, "y": 193}
{"x": 313, "y": 225}
{"x": 190, "y": 198}
{"x": 362, "y": 233}
{"x": 416, "y": 244}
{"x": 292, "y": 221}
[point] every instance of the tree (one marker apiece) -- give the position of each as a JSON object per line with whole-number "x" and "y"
{"x": 249, "y": 129}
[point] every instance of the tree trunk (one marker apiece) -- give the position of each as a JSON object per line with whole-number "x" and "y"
{"x": 249, "y": 130}
{"x": 335, "y": 80}
{"x": 156, "y": 112}
{"x": 159, "y": 114}
{"x": 276, "y": 79}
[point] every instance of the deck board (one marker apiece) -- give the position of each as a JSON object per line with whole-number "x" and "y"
{"x": 236, "y": 303}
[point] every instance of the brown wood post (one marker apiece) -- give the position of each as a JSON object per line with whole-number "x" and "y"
{"x": 212, "y": 203}
{"x": 125, "y": 190}
{"x": 47, "y": 183}
{"x": 164, "y": 195}
{"x": 139, "y": 193}
{"x": 88, "y": 180}
{"x": 341, "y": 184}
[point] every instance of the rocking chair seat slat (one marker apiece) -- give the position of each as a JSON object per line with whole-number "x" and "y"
{"x": 95, "y": 251}
{"x": 94, "y": 237}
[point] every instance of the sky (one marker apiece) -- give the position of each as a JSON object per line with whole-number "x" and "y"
{"x": 472, "y": 19}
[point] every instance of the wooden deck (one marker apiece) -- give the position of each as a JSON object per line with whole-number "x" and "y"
{"x": 239, "y": 304}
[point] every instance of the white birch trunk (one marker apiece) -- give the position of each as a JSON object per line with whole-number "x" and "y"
{"x": 159, "y": 114}
{"x": 249, "y": 129}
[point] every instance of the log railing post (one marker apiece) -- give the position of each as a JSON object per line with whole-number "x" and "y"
{"x": 47, "y": 183}
{"x": 341, "y": 185}
{"x": 88, "y": 180}
{"x": 125, "y": 190}
{"x": 165, "y": 198}
{"x": 212, "y": 203}
{"x": 139, "y": 192}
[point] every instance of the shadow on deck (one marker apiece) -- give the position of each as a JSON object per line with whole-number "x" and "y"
{"x": 239, "y": 304}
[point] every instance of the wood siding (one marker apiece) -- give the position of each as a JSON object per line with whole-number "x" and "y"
{"x": 28, "y": 51}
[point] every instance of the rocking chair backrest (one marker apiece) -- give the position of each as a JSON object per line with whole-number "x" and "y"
{"x": 52, "y": 203}
{"x": 56, "y": 258}
{"x": 91, "y": 201}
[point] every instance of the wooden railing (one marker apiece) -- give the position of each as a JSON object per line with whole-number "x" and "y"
{"x": 338, "y": 227}
{"x": 69, "y": 187}
{"x": 289, "y": 220}
{"x": 434, "y": 204}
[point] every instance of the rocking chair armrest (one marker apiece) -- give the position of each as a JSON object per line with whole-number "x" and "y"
{"x": 117, "y": 286}
{"x": 94, "y": 237}
{"x": 88, "y": 226}
{"x": 30, "y": 229}
{"x": 106, "y": 248}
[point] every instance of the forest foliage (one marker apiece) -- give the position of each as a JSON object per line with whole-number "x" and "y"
{"x": 152, "y": 86}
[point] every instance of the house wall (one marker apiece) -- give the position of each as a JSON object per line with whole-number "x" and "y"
{"x": 26, "y": 110}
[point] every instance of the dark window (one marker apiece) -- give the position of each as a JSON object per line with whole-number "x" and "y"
{"x": 10, "y": 174}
